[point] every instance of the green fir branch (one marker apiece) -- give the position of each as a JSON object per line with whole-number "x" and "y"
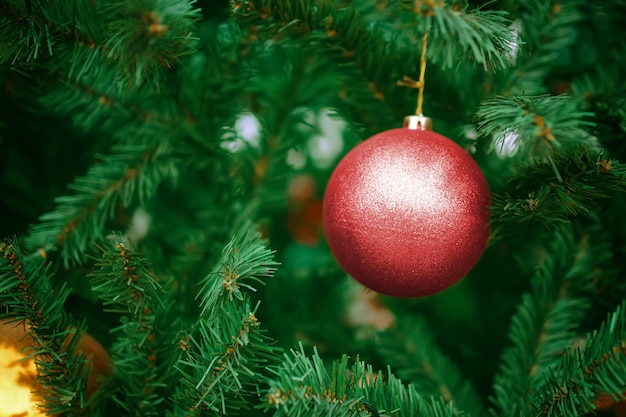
{"x": 545, "y": 32}
{"x": 604, "y": 85}
{"x": 537, "y": 206}
{"x": 547, "y": 319}
{"x": 125, "y": 284}
{"x": 302, "y": 386}
{"x": 537, "y": 194}
{"x": 284, "y": 103}
{"x": 99, "y": 103}
{"x": 378, "y": 52}
{"x": 245, "y": 261}
{"x": 141, "y": 42}
{"x": 222, "y": 363}
{"x": 547, "y": 24}
{"x": 149, "y": 36}
{"x": 605, "y": 353}
{"x": 587, "y": 372}
{"x": 144, "y": 38}
{"x": 345, "y": 54}
{"x": 482, "y": 35}
{"x": 28, "y": 32}
{"x": 83, "y": 49}
{"x": 410, "y": 348}
{"x": 299, "y": 13}
{"x": 132, "y": 173}
{"x": 604, "y": 91}
{"x": 223, "y": 356}
{"x": 533, "y": 125}
{"x": 372, "y": 61}
{"x": 90, "y": 65}
{"x": 215, "y": 75}
{"x": 28, "y": 297}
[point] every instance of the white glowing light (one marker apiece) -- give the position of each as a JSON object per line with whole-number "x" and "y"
{"x": 247, "y": 134}
{"x": 470, "y": 132}
{"x": 471, "y": 136}
{"x": 508, "y": 144}
{"x": 514, "y": 44}
{"x": 296, "y": 158}
{"x": 248, "y": 128}
{"x": 324, "y": 149}
{"x": 139, "y": 226}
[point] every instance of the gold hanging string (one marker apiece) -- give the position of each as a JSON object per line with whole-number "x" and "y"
{"x": 419, "y": 84}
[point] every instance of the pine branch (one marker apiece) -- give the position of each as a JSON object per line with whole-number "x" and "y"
{"x": 410, "y": 348}
{"x": 298, "y": 12}
{"x": 150, "y": 35}
{"x": 142, "y": 37}
{"x": 357, "y": 76}
{"x": 101, "y": 105}
{"x": 585, "y": 177}
{"x": 545, "y": 31}
{"x": 132, "y": 173}
{"x": 547, "y": 320}
{"x": 217, "y": 73}
{"x": 369, "y": 61}
{"x": 604, "y": 85}
{"x": 605, "y": 352}
{"x": 222, "y": 363}
{"x": 126, "y": 286}
{"x": 533, "y": 125}
{"x": 482, "y": 35}
{"x": 604, "y": 92}
{"x": 245, "y": 260}
{"x": 303, "y": 386}
{"x": 382, "y": 50}
{"x": 587, "y": 372}
{"x": 62, "y": 367}
{"x": 28, "y": 31}
{"x": 545, "y": 23}
{"x": 225, "y": 353}
{"x": 283, "y": 104}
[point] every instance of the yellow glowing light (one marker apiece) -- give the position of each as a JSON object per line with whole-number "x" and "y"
{"x": 17, "y": 381}
{"x": 20, "y": 392}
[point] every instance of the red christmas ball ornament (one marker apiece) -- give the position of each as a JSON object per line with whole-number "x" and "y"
{"x": 406, "y": 212}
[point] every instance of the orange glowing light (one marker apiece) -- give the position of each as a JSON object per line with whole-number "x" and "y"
{"x": 18, "y": 385}
{"x": 20, "y": 392}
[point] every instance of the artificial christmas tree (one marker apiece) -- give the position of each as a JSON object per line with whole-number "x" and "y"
{"x": 197, "y": 140}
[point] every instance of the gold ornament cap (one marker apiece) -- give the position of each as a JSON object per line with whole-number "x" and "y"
{"x": 418, "y": 122}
